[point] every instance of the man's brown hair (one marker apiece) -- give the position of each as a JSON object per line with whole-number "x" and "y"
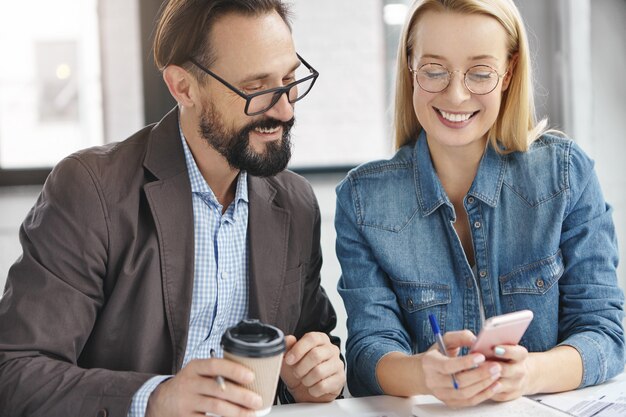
{"x": 183, "y": 28}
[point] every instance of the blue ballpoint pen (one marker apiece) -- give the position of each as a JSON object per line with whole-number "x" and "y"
{"x": 442, "y": 346}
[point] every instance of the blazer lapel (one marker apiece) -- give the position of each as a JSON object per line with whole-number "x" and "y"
{"x": 268, "y": 227}
{"x": 169, "y": 198}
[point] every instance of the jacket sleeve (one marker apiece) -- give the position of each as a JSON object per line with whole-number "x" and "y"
{"x": 52, "y": 298}
{"x": 589, "y": 282}
{"x": 375, "y": 323}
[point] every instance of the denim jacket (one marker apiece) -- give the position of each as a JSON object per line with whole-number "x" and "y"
{"x": 543, "y": 240}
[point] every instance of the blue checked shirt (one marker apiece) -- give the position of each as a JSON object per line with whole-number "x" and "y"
{"x": 220, "y": 286}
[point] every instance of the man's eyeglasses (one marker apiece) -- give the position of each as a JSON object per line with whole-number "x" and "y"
{"x": 262, "y": 101}
{"x": 479, "y": 79}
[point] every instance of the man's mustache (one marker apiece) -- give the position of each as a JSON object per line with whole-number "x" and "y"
{"x": 270, "y": 123}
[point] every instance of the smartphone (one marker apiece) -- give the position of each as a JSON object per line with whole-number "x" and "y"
{"x": 506, "y": 329}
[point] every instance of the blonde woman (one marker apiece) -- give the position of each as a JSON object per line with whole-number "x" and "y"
{"x": 479, "y": 213}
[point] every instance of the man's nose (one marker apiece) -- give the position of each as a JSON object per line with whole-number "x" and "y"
{"x": 282, "y": 110}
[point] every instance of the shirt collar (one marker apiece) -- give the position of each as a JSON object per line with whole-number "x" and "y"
{"x": 490, "y": 177}
{"x": 199, "y": 184}
{"x": 431, "y": 194}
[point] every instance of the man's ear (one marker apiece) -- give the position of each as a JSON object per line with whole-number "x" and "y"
{"x": 509, "y": 73}
{"x": 182, "y": 85}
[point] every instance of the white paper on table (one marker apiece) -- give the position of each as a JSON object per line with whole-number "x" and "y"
{"x": 429, "y": 406}
{"x": 605, "y": 400}
{"x": 370, "y": 414}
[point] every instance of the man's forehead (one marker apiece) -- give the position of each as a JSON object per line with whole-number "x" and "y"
{"x": 259, "y": 43}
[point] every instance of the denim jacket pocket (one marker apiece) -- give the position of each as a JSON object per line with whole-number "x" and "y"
{"x": 417, "y": 301}
{"x": 414, "y": 297}
{"x": 534, "y": 278}
{"x": 534, "y": 286}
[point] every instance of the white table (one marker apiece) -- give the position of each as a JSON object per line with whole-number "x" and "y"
{"x": 613, "y": 391}
{"x": 386, "y": 406}
{"x": 365, "y": 406}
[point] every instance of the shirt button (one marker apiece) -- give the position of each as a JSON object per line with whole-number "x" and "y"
{"x": 482, "y": 273}
{"x": 540, "y": 283}
{"x": 477, "y": 225}
{"x": 470, "y": 200}
{"x": 223, "y": 275}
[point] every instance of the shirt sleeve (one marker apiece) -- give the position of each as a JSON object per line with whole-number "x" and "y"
{"x": 589, "y": 283}
{"x": 140, "y": 399}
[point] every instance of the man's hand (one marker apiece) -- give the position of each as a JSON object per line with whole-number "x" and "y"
{"x": 312, "y": 369}
{"x": 194, "y": 390}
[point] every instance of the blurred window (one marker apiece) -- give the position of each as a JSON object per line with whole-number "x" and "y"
{"x": 50, "y": 84}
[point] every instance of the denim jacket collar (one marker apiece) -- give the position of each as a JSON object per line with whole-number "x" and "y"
{"x": 430, "y": 193}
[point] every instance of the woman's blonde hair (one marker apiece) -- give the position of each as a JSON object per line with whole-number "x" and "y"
{"x": 516, "y": 126}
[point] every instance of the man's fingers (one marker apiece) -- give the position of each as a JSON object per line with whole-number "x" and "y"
{"x": 304, "y": 345}
{"x": 235, "y": 394}
{"x": 219, "y": 407}
{"x": 330, "y": 385}
{"x": 195, "y": 390}
{"x": 222, "y": 367}
{"x": 321, "y": 371}
{"x": 313, "y": 368}
{"x": 290, "y": 340}
{"x": 314, "y": 358}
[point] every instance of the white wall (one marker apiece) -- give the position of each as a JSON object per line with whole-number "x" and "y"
{"x": 579, "y": 56}
{"x": 342, "y": 120}
{"x": 121, "y": 68}
{"x": 608, "y": 108}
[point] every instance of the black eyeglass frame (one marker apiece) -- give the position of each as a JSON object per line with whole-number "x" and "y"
{"x": 415, "y": 71}
{"x": 277, "y": 91}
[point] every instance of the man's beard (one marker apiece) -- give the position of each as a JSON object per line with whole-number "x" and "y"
{"x": 235, "y": 145}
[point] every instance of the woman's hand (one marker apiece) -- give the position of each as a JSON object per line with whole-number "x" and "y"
{"x": 477, "y": 378}
{"x": 515, "y": 376}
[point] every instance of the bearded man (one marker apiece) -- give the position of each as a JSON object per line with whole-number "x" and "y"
{"x": 138, "y": 255}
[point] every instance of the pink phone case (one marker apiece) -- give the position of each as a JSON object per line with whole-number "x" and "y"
{"x": 506, "y": 329}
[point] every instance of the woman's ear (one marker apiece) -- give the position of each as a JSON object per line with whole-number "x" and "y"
{"x": 182, "y": 85}
{"x": 509, "y": 73}
{"x": 409, "y": 67}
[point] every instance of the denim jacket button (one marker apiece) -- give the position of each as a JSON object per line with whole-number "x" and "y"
{"x": 477, "y": 225}
{"x": 470, "y": 200}
{"x": 482, "y": 273}
{"x": 540, "y": 282}
{"x": 410, "y": 302}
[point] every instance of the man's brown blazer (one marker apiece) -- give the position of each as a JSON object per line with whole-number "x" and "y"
{"x": 99, "y": 302}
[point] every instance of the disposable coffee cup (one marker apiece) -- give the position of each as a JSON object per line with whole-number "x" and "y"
{"x": 259, "y": 347}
